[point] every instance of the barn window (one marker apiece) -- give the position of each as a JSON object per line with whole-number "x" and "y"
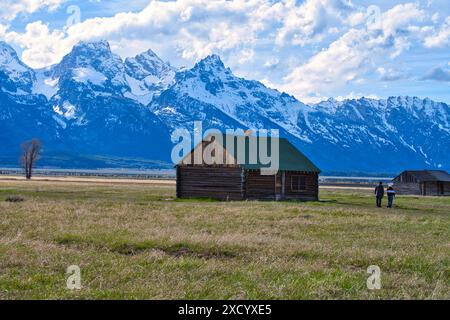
{"x": 298, "y": 183}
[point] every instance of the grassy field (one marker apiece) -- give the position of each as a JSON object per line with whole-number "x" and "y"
{"x": 135, "y": 241}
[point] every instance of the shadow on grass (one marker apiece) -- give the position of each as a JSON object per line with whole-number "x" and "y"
{"x": 131, "y": 248}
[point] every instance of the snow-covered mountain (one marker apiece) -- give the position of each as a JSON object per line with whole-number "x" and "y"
{"x": 83, "y": 106}
{"x": 210, "y": 92}
{"x": 148, "y": 75}
{"x": 15, "y": 76}
{"x": 380, "y": 135}
{"x": 93, "y": 103}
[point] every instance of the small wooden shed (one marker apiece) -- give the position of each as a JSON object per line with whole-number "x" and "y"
{"x": 423, "y": 182}
{"x": 297, "y": 177}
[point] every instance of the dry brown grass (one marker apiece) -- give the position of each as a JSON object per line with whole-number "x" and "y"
{"x": 137, "y": 241}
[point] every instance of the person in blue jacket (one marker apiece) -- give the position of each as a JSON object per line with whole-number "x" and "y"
{"x": 391, "y": 195}
{"x": 379, "y": 193}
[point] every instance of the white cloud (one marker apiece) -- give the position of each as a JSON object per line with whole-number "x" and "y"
{"x": 272, "y": 62}
{"x": 311, "y": 20}
{"x": 192, "y": 29}
{"x": 441, "y": 37}
{"x": 9, "y": 9}
{"x": 43, "y": 47}
{"x": 258, "y": 39}
{"x": 390, "y": 74}
{"x": 353, "y": 54}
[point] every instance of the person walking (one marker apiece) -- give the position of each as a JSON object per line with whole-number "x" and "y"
{"x": 391, "y": 195}
{"x": 379, "y": 193}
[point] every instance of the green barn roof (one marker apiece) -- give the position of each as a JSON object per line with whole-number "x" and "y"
{"x": 290, "y": 158}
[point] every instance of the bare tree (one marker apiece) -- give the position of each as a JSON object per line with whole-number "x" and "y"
{"x": 31, "y": 151}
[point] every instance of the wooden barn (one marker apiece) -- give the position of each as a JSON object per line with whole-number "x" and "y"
{"x": 297, "y": 177}
{"x": 423, "y": 182}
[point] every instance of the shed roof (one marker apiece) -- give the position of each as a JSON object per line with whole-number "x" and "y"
{"x": 430, "y": 175}
{"x": 290, "y": 158}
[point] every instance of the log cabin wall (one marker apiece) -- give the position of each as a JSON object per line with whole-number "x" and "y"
{"x": 259, "y": 186}
{"x": 431, "y": 188}
{"x": 404, "y": 188}
{"x": 446, "y": 187}
{"x": 224, "y": 183}
{"x": 423, "y": 188}
{"x": 277, "y": 187}
{"x": 310, "y": 190}
{"x": 438, "y": 188}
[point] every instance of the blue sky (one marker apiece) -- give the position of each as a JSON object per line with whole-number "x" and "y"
{"x": 312, "y": 49}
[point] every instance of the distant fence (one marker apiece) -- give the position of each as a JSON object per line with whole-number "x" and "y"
{"x": 118, "y": 174}
{"x": 343, "y": 180}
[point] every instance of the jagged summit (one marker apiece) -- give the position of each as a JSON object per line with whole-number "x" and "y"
{"x": 147, "y": 64}
{"x": 101, "y": 45}
{"x": 210, "y": 62}
{"x": 15, "y": 76}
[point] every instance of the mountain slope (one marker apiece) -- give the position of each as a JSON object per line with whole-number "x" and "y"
{"x": 94, "y": 105}
{"x": 211, "y": 93}
{"x": 80, "y": 108}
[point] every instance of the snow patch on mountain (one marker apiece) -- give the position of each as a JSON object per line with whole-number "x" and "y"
{"x": 85, "y": 75}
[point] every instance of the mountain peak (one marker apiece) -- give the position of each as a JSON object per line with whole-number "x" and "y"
{"x": 88, "y": 53}
{"x": 147, "y": 64}
{"x": 149, "y": 54}
{"x": 212, "y": 60}
{"x": 15, "y": 74}
{"x": 94, "y": 45}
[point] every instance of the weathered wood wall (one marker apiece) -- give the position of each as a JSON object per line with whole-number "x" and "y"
{"x": 312, "y": 186}
{"x": 435, "y": 189}
{"x": 224, "y": 183}
{"x": 424, "y": 188}
{"x": 258, "y": 186}
{"x": 271, "y": 187}
{"x": 405, "y": 188}
{"x": 234, "y": 183}
{"x": 447, "y": 188}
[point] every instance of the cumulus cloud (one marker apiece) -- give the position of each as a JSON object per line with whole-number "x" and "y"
{"x": 310, "y": 20}
{"x": 260, "y": 39}
{"x": 43, "y": 46}
{"x": 9, "y": 9}
{"x": 192, "y": 28}
{"x": 440, "y": 37}
{"x": 354, "y": 53}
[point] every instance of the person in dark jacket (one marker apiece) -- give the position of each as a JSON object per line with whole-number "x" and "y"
{"x": 391, "y": 195}
{"x": 379, "y": 193}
